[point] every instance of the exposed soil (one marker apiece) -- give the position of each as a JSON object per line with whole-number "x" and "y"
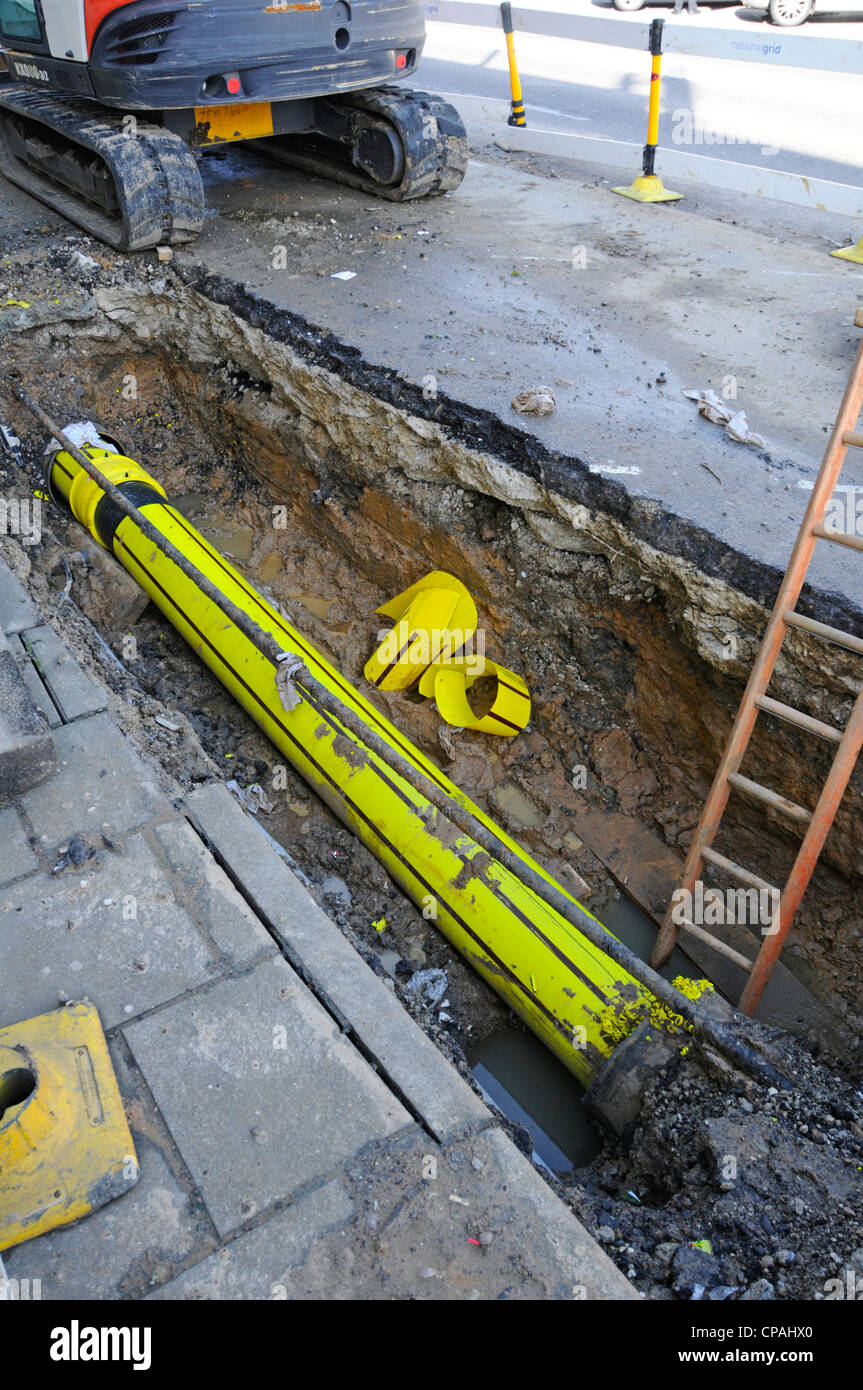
{"x": 635, "y": 670}
{"x": 770, "y": 1179}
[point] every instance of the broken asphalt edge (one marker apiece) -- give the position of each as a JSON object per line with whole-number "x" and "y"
{"x": 483, "y": 430}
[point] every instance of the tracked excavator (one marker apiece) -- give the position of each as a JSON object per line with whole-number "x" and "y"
{"x": 106, "y": 107}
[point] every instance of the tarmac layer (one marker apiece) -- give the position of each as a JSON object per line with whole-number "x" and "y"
{"x": 534, "y": 272}
{"x": 298, "y": 1134}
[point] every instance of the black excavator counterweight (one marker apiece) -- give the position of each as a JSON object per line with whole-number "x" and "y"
{"x": 107, "y": 108}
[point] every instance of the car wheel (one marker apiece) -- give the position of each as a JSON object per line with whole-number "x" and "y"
{"x": 628, "y": 4}
{"x": 790, "y": 12}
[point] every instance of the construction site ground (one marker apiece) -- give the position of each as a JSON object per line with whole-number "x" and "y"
{"x": 298, "y": 1135}
{"x": 533, "y": 273}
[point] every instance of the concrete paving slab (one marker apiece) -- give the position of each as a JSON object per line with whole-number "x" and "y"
{"x": 410, "y": 1220}
{"x": 256, "y": 1265}
{"x": 27, "y": 754}
{"x": 16, "y": 856}
{"x": 38, "y": 694}
{"x": 419, "y": 1210}
{"x": 260, "y": 1090}
{"x": 16, "y": 610}
{"x": 430, "y": 1204}
{"x": 75, "y": 934}
{"x": 211, "y": 897}
{"x": 556, "y": 1249}
{"x": 136, "y": 1242}
{"x": 99, "y": 782}
{"x": 73, "y": 692}
{"x": 409, "y": 1059}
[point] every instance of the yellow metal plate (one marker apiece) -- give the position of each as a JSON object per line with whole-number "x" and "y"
{"x": 65, "y": 1146}
{"x": 244, "y": 121}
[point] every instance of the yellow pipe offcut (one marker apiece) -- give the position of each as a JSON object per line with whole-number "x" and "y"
{"x": 575, "y": 998}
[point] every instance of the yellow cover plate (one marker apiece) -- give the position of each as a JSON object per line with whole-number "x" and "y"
{"x": 65, "y": 1146}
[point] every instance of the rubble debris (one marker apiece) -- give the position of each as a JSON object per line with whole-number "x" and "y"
{"x": 429, "y": 985}
{"x": 166, "y": 724}
{"x": 777, "y": 1180}
{"x": 11, "y": 444}
{"x": 252, "y": 798}
{"x": 76, "y": 852}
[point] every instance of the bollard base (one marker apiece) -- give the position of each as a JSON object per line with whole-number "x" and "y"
{"x": 648, "y": 188}
{"x": 851, "y": 253}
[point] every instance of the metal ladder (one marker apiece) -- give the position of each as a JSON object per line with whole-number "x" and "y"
{"x": 755, "y": 699}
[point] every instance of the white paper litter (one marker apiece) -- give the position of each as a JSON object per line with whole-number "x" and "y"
{"x": 344, "y": 275}
{"x": 81, "y": 432}
{"x": 430, "y": 985}
{"x": 535, "y": 400}
{"x": 735, "y": 422}
{"x": 253, "y": 798}
{"x": 286, "y": 673}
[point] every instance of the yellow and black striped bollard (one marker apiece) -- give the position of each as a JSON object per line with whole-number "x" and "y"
{"x": 648, "y": 186}
{"x": 516, "y": 116}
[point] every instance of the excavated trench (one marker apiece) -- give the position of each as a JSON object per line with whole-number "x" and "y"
{"x": 333, "y": 487}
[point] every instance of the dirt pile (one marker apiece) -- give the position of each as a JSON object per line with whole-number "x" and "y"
{"x": 730, "y": 1190}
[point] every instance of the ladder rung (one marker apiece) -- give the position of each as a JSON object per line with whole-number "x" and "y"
{"x": 852, "y": 441}
{"x": 744, "y": 875}
{"x": 713, "y": 941}
{"x": 823, "y": 630}
{"x": 840, "y": 537}
{"x": 770, "y": 798}
{"x": 794, "y": 716}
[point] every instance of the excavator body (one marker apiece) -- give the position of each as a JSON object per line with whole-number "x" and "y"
{"x": 107, "y": 105}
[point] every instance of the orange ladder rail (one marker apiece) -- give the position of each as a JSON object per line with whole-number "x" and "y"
{"x": 755, "y": 699}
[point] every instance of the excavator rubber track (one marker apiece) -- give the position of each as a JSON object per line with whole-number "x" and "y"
{"x": 129, "y": 182}
{"x": 433, "y": 142}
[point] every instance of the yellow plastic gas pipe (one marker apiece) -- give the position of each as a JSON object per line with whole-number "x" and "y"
{"x": 577, "y": 1000}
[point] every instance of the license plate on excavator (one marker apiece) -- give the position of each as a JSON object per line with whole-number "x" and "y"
{"x": 244, "y": 121}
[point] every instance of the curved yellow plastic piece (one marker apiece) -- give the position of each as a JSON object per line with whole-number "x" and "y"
{"x": 573, "y": 996}
{"x": 448, "y": 686}
{"x": 434, "y": 619}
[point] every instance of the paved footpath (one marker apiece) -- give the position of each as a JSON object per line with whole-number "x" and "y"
{"x": 299, "y": 1136}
